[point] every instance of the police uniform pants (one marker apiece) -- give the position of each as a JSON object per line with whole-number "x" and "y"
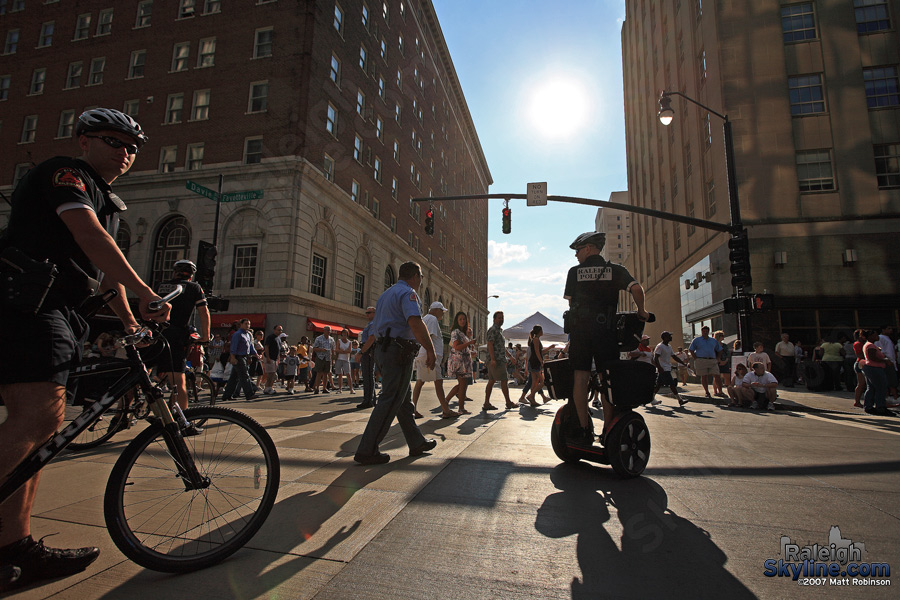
{"x": 395, "y": 400}
{"x": 367, "y": 363}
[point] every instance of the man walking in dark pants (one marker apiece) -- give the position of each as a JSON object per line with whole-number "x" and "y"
{"x": 241, "y": 348}
{"x": 398, "y": 325}
{"x": 367, "y": 359}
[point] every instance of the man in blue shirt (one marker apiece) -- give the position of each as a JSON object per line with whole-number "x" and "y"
{"x": 398, "y": 325}
{"x": 241, "y": 348}
{"x": 367, "y": 350}
{"x": 705, "y": 351}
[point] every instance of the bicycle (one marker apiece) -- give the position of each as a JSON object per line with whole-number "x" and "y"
{"x": 173, "y": 502}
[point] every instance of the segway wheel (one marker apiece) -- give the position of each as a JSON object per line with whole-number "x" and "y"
{"x": 561, "y": 423}
{"x": 628, "y": 446}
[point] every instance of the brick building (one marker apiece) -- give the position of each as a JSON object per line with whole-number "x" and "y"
{"x": 339, "y": 112}
{"x": 811, "y": 89}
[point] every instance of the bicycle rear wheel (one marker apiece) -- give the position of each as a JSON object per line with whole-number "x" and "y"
{"x": 201, "y": 389}
{"x": 159, "y": 525}
{"x": 101, "y": 430}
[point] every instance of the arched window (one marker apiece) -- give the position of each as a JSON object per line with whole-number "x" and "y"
{"x": 173, "y": 242}
{"x": 427, "y": 299}
{"x": 322, "y": 254}
{"x": 389, "y": 277}
{"x": 123, "y": 237}
{"x": 360, "y": 278}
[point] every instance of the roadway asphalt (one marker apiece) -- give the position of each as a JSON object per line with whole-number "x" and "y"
{"x": 492, "y": 512}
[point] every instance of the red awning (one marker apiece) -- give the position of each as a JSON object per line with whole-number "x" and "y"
{"x": 318, "y": 325}
{"x": 257, "y": 321}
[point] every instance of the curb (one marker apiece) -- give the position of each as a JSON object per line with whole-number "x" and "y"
{"x": 789, "y": 406}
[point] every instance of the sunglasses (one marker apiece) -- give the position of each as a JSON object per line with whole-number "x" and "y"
{"x": 115, "y": 143}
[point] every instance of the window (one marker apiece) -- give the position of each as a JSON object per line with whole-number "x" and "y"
{"x": 174, "y": 106}
{"x": 383, "y": 49}
{"x": 194, "y": 157}
{"x": 96, "y": 75}
{"x": 185, "y": 9}
{"x": 29, "y": 129}
{"x": 388, "y": 277}
{"x": 399, "y": 78}
{"x": 376, "y": 208}
{"x": 180, "y": 55}
{"x": 365, "y": 16}
{"x": 73, "y": 77}
{"x": 206, "y": 57}
{"x": 82, "y": 27}
{"x": 12, "y": 41}
{"x": 262, "y": 45}
{"x": 167, "y": 157}
{"x": 136, "y": 65}
{"x": 887, "y": 165}
{"x": 395, "y": 187}
{"x": 707, "y": 131}
{"x": 331, "y": 118}
{"x": 710, "y": 197}
{"x": 21, "y": 170}
{"x": 131, "y": 108}
{"x": 357, "y": 148}
{"x": 702, "y": 66}
{"x": 798, "y": 22}
{"x": 211, "y": 7}
{"x": 397, "y": 111}
{"x": 379, "y": 128}
{"x": 259, "y": 96}
{"x": 871, "y": 15}
{"x": 4, "y": 87}
{"x": 46, "y": 37}
{"x": 317, "y": 275}
{"x": 354, "y": 191}
{"x": 377, "y": 173}
{"x": 339, "y": 19}
{"x": 104, "y": 22}
{"x": 173, "y": 242}
{"x": 253, "y": 150}
{"x": 882, "y": 88}
{"x": 359, "y": 291}
{"x": 363, "y": 58}
{"x": 66, "y": 124}
{"x": 243, "y": 269}
{"x": 806, "y": 94}
{"x": 123, "y": 237}
{"x": 396, "y": 150}
{"x": 328, "y": 168}
{"x": 144, "y": 12}
{"x": 814, "y": 171}
{"x": 335, "y": 73}
{"x": 381, "y": 91}
{"x": 360, "y": 103}
{"x": 200, "y": 110}
{"x": 400, "y": 47}
{"x": 38, "y": 77}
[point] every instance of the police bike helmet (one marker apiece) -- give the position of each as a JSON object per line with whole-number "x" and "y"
{"x": 593, "y": 238}
{"x": 184, "y": 266}
{"x": 109, "y": 119}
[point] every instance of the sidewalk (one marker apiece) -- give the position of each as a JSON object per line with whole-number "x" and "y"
{"x": 793, "y": 399}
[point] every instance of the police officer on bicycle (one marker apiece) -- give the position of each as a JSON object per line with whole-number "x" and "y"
{"x": 63, "y": 212}
{"x": 171, "y": 364}
{"x": 592, "y": 289}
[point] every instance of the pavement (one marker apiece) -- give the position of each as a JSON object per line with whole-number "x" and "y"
{"x": 492, "y": 513}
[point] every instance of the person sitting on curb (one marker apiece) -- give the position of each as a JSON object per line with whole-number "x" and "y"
{"x": 734, "y": 390}
{"x": 759, "y": 386}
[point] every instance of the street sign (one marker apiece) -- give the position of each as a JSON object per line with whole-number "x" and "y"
{"x": 241, "y": 196}
{"x": 537, "y": 194}
{"x": 199, "y": 189}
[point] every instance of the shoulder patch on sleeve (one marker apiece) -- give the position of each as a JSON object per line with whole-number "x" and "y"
{"x": 413, "y": 297}
{"x": 68, "y": 177}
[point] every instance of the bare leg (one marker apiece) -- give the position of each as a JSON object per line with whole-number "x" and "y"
{"x": 579, "y": 396}
{"x": 177, "y": 381}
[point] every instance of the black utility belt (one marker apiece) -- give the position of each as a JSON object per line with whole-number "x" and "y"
{"x": 403, "y": 343}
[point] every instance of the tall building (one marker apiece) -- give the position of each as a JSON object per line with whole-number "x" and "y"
{"x": 616, "y": 224}
{"x": 323, "y": 118}
{"x": 812, "y": 90}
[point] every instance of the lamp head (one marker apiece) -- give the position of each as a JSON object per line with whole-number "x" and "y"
{"x": 666, "y": 113}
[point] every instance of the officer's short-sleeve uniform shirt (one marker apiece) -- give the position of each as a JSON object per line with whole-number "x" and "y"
{"x": 394, "y": 308}
{"x": 596, "y": 283}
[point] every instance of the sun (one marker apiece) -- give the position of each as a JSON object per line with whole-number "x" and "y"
{"x": 557, "y": 108}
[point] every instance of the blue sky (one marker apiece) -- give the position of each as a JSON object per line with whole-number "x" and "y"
{"x": 543, "y": 81}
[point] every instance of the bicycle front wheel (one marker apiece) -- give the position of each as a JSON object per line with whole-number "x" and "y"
{"x": 160, "y": 525}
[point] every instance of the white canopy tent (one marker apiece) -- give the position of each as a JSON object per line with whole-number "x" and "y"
{"x": 519, "y": 332}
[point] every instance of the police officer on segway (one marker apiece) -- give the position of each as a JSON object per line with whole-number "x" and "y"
{"x": 171, "y": 364}
{"x": 592, "y": 289}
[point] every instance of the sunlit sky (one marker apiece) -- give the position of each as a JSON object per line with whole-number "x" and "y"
{"x": 543, "y": 81}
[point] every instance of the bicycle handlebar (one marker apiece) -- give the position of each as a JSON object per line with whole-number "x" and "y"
{"x": 155, "y": 305}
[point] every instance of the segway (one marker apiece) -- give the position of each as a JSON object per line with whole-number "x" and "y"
{"x": 627, "y": 384}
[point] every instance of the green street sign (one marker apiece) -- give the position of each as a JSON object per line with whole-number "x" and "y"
{"x": 241, "y": 196}
{"x": 199, "y": 189}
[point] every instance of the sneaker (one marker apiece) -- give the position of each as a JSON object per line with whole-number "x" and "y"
{"x": 35, "y": 561}
{"x": 771, "y": 406}
{"x": 269, "y": 391}
{"x": 754, "y": 406}
{"x": 655, "y": 402}
{"x": 681, "y": 400}
{"x": 583, "y": 438}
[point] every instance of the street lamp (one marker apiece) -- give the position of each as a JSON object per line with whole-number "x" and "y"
{"x": 740, "y": 264}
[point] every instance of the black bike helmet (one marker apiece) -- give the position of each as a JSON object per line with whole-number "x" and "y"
{"x": 109, "y": 119}
{"x": 593, "y": 238}
{"x": 184, "y": 266}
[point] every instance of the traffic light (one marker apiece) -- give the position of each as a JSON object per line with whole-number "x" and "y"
{"x": 763, "y": 302}
{"x": 429, "y": 221}
{"x": 739, "y": 255}
{"x": 206, "y": 265}
{"x": 507, "y": 219}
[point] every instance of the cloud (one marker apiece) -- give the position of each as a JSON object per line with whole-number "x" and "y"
{"x": 501, "y": 253}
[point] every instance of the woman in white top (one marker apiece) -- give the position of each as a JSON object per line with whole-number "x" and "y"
{"x": 740, "y": 371}
{"x": 342, "y": 364}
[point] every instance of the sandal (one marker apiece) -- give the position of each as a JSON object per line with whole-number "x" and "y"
{"x": 511, "y": 405}
{"x": 450, "y": 414}
{"x": 417, "y": 415}
{"x": 463, "y": 411}
{"x": 488, "y": 406}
